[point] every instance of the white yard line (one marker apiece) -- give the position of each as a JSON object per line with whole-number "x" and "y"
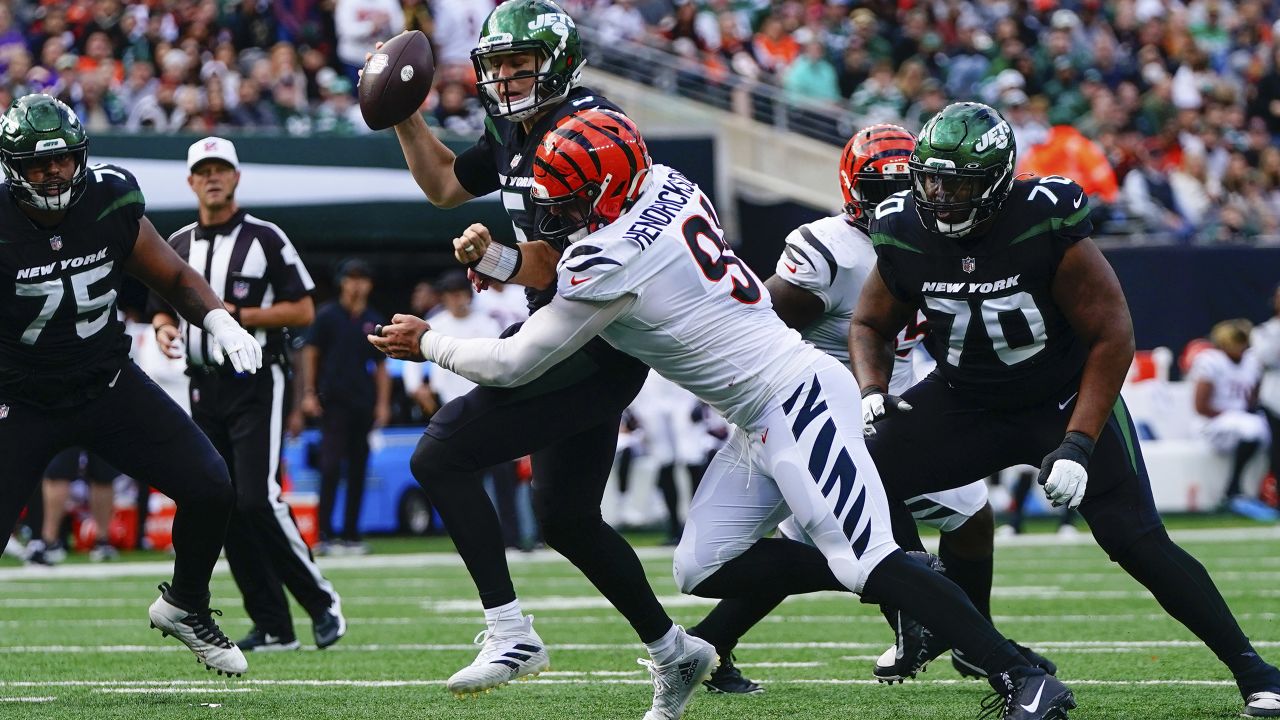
{"x": 212, "y": 686}
{"x": 163, "y": 569}
{"x": 594, "y": 647}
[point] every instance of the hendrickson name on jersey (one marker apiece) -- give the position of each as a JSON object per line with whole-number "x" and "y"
{"x": 674, "y": 194}
{"x": 974, "y": 288}
{"x": 38, "y": 270}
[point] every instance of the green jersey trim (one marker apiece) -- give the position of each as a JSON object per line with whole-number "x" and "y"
{"x": 1122, "y": 419}
{"x": 1052, "y": 224}
{"x": 878, "y": 239}
{"x": 492, "y": 129}
{"x": 134, "y": 196}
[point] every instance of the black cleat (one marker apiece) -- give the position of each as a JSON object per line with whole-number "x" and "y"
{"x": 727, "y": 678}
{"x": 259, "y": 641}
{"x": 1027, "y": 693}
{"x": 915, "y": 648}
{"x": 969, "y": 670}
{"x": 330, "y": 627}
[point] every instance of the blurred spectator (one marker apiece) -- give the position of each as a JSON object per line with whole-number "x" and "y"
{"x": 457, "y": 111}
{"x": 360, "y": 24}
{"x": 457, "y": 27}
{"x": 621, "y": 20}
{"x": 811, "y": 76}
{"x": 1226, "y": 379}
{"x": 773, "y": 47}
{"x": 1066, "y": 152}
{"x": 337, "y": 111}
{"x": 253, "y": 24}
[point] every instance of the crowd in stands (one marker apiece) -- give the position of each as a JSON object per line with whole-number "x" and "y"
{"x": 1167, "y": 111}
{"x": 205, "y": 66}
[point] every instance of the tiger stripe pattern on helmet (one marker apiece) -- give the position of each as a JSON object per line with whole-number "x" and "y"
{"x": 588, "y": 171}
{"x": 873, "y": 166}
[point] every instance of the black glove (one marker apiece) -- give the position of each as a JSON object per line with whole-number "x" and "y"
{"x": 878, "y": 404}
{"x": 1065, "y": 471}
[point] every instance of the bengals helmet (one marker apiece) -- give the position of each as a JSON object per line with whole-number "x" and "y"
{"x": 874, "y": 166}
{"x": 589, "y": 170}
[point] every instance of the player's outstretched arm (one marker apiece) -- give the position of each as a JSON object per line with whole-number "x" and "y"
{"x": 160, "y": 268}
{"x": 550, "y": 335}
{"x": 431, "y": 163}
{"x": 1089, "y": 295}
{"x": 797, "y": 307}
{"x": 876, "y": 323}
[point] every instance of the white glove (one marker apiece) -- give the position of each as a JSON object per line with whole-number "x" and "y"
{"x": 877, "y": 405}
{"x": 232, "y": 341}
{"x": 1064, "y": 472}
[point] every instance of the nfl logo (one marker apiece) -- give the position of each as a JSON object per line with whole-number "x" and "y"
{"x": 4, "y": 411}
{"x": 55, "y": 242}
{"x": 968, "y": 265}
{"x": 516, "y": 160}
{"x": 240, "y": 289}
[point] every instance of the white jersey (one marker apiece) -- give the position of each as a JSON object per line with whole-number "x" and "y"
{"x": 701, "y": 318}
{"x": 831, "y": 259}
{"x": 1233, "y": 383}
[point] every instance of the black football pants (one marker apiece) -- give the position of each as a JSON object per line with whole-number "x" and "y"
{"x": 136, "y": 427}
{"x": 950, "y": 439}
{"x": 568, "y": 421}
{"x": 244, "y": 419}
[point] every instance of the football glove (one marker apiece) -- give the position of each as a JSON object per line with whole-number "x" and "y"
{"x": 1064, "y": 472}
{"x": 878, "y": 404}
{"x": 232, "y": 342}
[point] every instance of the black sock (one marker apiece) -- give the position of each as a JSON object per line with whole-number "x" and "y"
{"x": 667, "y": 484}
{"x": 731, "y": 618}
{"x": 1184, "y": 589}
{"x": 624, "y": 468}
{"x": 940, "y": 605}
{"x": 972, "y": 575}
{"x": 777, "y": 564}
{"x": 695, "y": 476}
{"x": 1239, "y": 459}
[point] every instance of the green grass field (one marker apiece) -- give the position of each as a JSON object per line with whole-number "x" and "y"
{"x": 74, "y": 642}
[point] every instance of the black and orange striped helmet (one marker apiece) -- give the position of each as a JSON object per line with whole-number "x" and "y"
{"x": 873, "y": 166}
{"x": 590, "y": 168}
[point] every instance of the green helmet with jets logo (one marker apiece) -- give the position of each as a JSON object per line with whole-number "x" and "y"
{"x": 537, "y": 26}
{"x": 962, "y": 168}
{"x": 37, "y": 127}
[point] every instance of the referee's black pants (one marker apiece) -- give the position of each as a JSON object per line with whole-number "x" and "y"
{"x": 244, "y": 419}
{"x": 137, "y": 428}
{"x": 568, "y": 421}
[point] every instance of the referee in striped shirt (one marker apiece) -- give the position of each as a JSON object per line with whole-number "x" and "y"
{"x": 256, "y": 271}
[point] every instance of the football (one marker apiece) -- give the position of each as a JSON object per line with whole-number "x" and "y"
{"x": 396, "y": 80}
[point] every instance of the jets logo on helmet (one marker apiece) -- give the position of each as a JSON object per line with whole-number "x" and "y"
{"x": 539, "y": 27}
{"x": 589, "y": 170}
{"x": 962, "y": 168}
{"x": 36, "y": 128}
{"x": 873, "y": 166}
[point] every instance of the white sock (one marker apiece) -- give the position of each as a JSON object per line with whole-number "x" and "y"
{"x": 504, "y": 617}
{"x": 665, "y": 649}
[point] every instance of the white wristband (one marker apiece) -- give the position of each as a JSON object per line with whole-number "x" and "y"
{"x": 500, "y": 262}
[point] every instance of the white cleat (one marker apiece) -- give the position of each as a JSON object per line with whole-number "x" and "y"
{"x": 675, "y": 682}
{"x": 503, "y": 657}
{"x": 1262, "y": 704}
{"x": 200, "y": 633}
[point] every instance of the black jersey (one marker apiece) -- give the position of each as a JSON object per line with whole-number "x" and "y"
{"x": 502, "y": 159}
{"x": 995, "y": 329}
{"x": 60, "y": 339}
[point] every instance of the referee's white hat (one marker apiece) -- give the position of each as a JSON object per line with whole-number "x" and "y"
{"x": 212, "y": 148}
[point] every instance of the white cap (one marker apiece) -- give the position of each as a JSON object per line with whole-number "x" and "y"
{"x": 212, "y": 148}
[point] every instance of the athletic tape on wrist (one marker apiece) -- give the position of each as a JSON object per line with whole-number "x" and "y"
{"x": 500, "y": 262}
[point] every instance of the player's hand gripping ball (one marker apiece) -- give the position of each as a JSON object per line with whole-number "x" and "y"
{"x": 396, "y": 79}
